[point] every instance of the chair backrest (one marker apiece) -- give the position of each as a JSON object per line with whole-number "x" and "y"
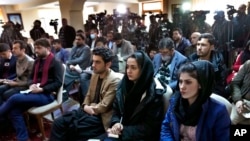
{"x": 60, "y": 91}
{"x": 223, "y": 101}
{"x": 167, "y": 94}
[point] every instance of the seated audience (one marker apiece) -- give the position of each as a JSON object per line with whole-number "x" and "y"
{"x": 167, "y": 62}
{"x": 80, "y": 56}
{"x": 7, "y": 63}
{"x": 152, "y": 52}
{"x": 192, "y": 114}
{"x": 102, "y": 42}
{"x": 93, "y": 117}
{"x": 241, "y": 94}
{"x": 205, "y": 51}
{"x": 24, "y": 67}
{"x": 60, "y": 53}
{"x": 138, "y": 106}
{"x": 192, "y": 48}
{"x": 85, "y": 76}
{"x": 122, "y": 48}
{"x": 47, "y": 76}
{"x": 180, "y": 42}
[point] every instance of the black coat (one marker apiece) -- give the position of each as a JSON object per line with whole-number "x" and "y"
{"x": 145, "y": 122}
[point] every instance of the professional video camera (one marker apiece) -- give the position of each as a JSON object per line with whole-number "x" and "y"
{"x": 54, "y": 23}
{"x": 231, "y": 11}
{"x": 199, "y": 15}
{"x": 100, "y": 19}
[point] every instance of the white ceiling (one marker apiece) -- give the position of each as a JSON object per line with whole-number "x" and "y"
{"x": 11, "y": 2}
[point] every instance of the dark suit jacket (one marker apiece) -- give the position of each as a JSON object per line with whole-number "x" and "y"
{"x": 69, "y": 36}
{"x": 12, "y": 70}
{"x": 55, "y": 76}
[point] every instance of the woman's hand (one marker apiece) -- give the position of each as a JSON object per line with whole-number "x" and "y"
{"x": 116, "y": 129}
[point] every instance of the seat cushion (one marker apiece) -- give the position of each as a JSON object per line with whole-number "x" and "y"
{"x": 42, "y": 109}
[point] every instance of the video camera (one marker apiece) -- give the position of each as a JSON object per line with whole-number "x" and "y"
{"x": 99, "y": 18}
{"x": 54, "y": 23}
{"x": 231, "y": 11}
{"x": 199, "y": 15}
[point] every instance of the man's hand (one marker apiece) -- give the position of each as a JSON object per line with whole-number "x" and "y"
{"x": 239, "y": 106}
{"x": 35, "y": 88}
{"x": 10, "y": 82}
{"x": 72, "y": 67}
{"x": 89, "y": 109}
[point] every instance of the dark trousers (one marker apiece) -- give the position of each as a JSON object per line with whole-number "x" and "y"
{"x": 17, "y": 104}
{"x": 6, "y": 92}
{"x": 76, "y": 125}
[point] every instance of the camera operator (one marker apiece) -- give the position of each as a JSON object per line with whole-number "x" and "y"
{"x": 240, "y": 27}
{"x": 67, "y": 34}
{"x": 199, "y": 24}
{"x": 152, "y": 29}
{"x": 219, "y": 30}
{"x": 109, "y": 27}
{"x": 90, "y": 24}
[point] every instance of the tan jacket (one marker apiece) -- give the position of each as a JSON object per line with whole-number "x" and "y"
{"x": 23, "y": 70}
{"x": 107, "y": 95}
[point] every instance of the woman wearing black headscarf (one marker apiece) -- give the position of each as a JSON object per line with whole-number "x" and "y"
{"x": 192, "y": 114}
{"x": 138, "y": 107}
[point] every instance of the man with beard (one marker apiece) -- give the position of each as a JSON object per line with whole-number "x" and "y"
{"x": 93, "y": 117}
{"x": 80, "y": 56}
{"x": 205, "y": 51}
{"x": 47, "y": 77}
{"x": 180, "y": 42}
{"x": 167, "y": 62}
{"x": 122, "y": 48}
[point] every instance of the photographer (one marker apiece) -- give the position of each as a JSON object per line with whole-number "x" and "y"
{"x": 67, "y": 34}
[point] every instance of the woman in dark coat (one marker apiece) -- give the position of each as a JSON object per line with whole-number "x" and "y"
{"x": 138, "y": 107}
{"x": 192, "y": 114}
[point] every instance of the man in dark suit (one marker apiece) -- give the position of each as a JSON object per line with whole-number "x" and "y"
{"x": 7, "y": 63}
{"x": 67, "y": 34}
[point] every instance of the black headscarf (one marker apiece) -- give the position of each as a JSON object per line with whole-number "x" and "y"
{"x": 134, "y": 91}
{"x": 189, "y": 114}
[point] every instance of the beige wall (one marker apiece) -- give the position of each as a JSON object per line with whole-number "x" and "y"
{"x": 110, "y": 6}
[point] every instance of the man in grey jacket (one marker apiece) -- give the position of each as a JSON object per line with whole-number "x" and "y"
{"x": 80, "y": 56}
{"x": 122, "y": 48}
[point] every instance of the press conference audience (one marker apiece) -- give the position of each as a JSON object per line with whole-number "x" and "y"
{"x": 46, "y": 78}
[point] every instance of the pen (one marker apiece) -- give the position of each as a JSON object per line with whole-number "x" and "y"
{"x": 121, "y": 120}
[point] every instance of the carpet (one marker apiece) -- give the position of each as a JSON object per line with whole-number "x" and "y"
{"x": 7, "y": 132}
